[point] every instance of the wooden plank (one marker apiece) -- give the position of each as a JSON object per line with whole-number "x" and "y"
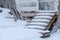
{"x": 52, "y": 22}
{"x": 28, "y": 14}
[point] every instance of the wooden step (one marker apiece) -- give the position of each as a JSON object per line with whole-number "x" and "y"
{"x": 41, "y": 20}
{"x": 35, "y": 27}
{"x": 43, "y": 17}
{"x": 44, "y": 31}
{"x": 38, "y": 23}
{"x": 49, "y": 14}
{"x": 40, "y": 31}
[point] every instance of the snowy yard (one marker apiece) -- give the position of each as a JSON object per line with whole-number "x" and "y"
{"x": 11, "y": 30}
{"x": 16, "y": 31}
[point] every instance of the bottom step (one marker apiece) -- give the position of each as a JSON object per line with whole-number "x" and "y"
{"x": 39, "y": 31}
{"x": 43, "y": 33}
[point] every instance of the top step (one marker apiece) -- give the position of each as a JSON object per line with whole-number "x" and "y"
{"x": 43, "y": 17}
{"x": 49, "y": 14}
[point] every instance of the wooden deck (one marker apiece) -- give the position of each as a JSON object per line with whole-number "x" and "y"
{"x": 28, "y": 14}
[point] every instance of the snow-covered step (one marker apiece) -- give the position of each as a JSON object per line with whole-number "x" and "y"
{"x": 41, "y": 20}
{"x": 35, "y": 27}
{"x": 40, "y": 31}
{"x": 38, "y": 23}
{"x": 43, "y": 17}
{"x": 50, "y": 14}
{"x": 44, "y": 31}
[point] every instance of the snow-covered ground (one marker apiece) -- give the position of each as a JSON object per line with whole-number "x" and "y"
{"x": 11, "y": 30}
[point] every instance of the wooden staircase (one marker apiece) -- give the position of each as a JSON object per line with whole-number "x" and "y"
{"x": 43, "y": 22}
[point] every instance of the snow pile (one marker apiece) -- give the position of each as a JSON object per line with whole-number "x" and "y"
{"x": 38, "y": 23}
{"x": 39, "y": 27}
{"x": 42, "y": 20}
{"x": 10, "y": 30}
{"x": 19, "y": 33}
{"x": 44, "y": 17}
{"x": 46, "y": 13}
{"x": 4, "y": 22}
{"x": 4, "y": 13}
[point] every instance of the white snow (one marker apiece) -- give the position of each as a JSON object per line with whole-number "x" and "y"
{"x": 45, "y": 17}
{"x": 43, "y": 20}
{"x": 4, "y": 12}
{"x": 40, "y": 31}
{"x": 46, "y": 11}
{"x": 32, "y": 26}
{"x": 51, "y": 14}
{"x": 11, "y": 30}
{"x": 38, "y": 23}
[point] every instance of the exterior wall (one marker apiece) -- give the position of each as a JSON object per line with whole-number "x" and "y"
{"x": 20, "y": 3}
{"x": 24, "y": 5}
{"x": 0, "y": 2}
{"x": 58, "y": 21}
{"x": 27, "y": 5}
{"x": 4, "y": 3}
{"x": 59, "y": 6}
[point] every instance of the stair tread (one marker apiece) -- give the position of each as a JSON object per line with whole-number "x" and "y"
{"x": 41, "y": 31}
{"x": 46, "y": 17}
{"x": 38, "y": 23}
{"x": 51, "y": 14}
{"x": 32, "y": 26}
{"x": 44, "y": 31}
{"x": 44, "y": 20}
